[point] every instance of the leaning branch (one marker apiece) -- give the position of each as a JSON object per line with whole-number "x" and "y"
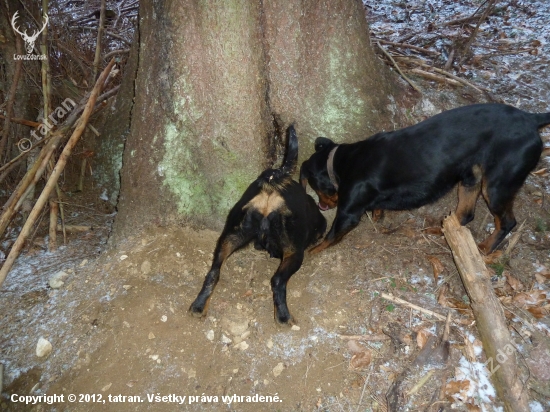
{"x": 56, "y": 172}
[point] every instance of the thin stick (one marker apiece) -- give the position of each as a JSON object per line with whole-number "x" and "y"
{"x": 514, "y": 239}
{"x": 99, "y": 39}
{"x": 441, "y": 71}
{"x": 24, "y": 122}
{"x": 435, "y": 77}
{"x": 410, "y": 305}
{"x": 54, "y": 213}
{"x": 63, "y": 158}
{"x": 408, "y": 46}
{"x": 413, "y": 85}
{"x": 365, "y": 338}
{"x": 466, "y": 48}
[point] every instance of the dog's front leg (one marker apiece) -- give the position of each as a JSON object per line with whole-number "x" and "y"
{"x": 289, "y": 265}
{"x": 343, "y": 223}
{"x": 226, "y": 245}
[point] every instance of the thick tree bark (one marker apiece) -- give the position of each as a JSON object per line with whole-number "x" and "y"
{"x": 216, "y": 80}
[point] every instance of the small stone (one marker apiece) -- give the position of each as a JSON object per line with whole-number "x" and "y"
{"x": 210, "y": 335}
{"x": 126, "y": 287}
{"x": 242, "y": 346}
{"x": 192, "y": 373}
{"x": 277, "y": 370}
{"x": 84, "y": 262}
{"x": 269, "y": 344}
{"x": 123, "y": 257}
{"x": 106, "y": 387}
{"x": 154, "y": 357}
{"x": 295, "y": 327}
{"x": 245, "y": 335}
{"x": 226, "y": 340}
{"x": 164, "y": 318}
{"x": 146, "y": 267}
{"x": 151, "y": 335}
{"x": 56, "y": 281}
{"x": 43, "y": 348}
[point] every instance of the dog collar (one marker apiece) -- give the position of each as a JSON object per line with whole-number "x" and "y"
{"x": 330, "y": 168}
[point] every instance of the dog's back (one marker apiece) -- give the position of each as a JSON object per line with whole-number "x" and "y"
{"x": 281, "y": 215}
{"x": 276, "y": 213}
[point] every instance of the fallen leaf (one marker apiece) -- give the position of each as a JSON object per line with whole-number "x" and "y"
{"x": 469, "y": 352}
{"x": 513, "y": 282}
{"x": 360, "y": 360}
{"x": 493, "y": 257}
{"x": 537, "y": 312}
{"x": 422, "y": 337}
{"x": 433, "y": 231}
{"x": 533, "y": 298}
{"x": 458, "y": 389}
{"x": 437, "y": 266}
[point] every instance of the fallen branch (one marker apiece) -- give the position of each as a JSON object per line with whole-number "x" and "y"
{"x": 24, "y": 122}
{"x": 74, "y": 228}
{"x": 413, "y": 85}
{"x": 408, "y": 46}
{"x": 435, "y": 77}
{"x": 56, "y": 172}
{"x": 366, "y": 338}
{"x": 488, "y": 313}
{"x": 400, "y": 301}
{"x": 441, "y": 71}
{"x": 466, "y": 48}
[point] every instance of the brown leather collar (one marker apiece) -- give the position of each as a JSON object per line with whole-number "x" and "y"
{"x": 330, "y": 168}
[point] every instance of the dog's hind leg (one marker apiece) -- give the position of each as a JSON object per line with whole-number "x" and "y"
{"x": 468, "y": 193}
{"x": 227, "y": 244}
{"x": 500, "y": 203}
{"x": 290, "y": 264}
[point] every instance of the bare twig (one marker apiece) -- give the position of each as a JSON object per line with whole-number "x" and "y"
{"x": 408, "y": 46}
{"x": 413, "y": 85}
{"x": 410, "y": 305}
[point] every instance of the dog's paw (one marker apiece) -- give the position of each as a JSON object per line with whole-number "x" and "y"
{"x": 286, "y": 321}
{"x": 197, "y": 309}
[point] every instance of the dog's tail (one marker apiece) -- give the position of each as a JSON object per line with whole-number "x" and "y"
{"x": 291, "y": 158}
{"x": 278, "y": 178}
{"x": 542, "y": 119}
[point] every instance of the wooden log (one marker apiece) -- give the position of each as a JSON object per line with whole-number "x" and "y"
{"x": 489, "y": 316}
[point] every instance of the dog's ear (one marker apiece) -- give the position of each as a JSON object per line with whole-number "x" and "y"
{"x": 322, "y": 143}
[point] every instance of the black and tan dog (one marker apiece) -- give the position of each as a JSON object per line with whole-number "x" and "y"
{"x": 485, "y": 148}
{"x": 277, "y": 214}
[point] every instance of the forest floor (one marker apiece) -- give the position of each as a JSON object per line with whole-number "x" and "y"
{"x": 119, "y": 323}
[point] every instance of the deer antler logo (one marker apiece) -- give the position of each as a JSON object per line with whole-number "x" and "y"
{"x": 29, "y": 40}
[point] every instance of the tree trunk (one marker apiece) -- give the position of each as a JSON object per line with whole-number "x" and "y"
{"x": 217, "y": 80}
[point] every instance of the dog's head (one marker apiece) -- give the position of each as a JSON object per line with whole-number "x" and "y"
{"x": 314, "y": 171}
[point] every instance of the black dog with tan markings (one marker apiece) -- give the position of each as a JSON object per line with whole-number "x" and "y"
{"x": 277, "y": 214}
{"x": 484, "y": 148}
